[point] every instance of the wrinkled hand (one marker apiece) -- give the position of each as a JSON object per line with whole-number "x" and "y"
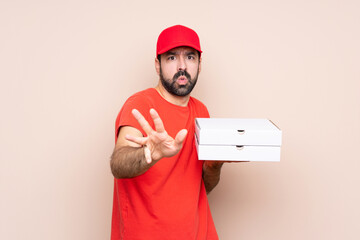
{"x": 158, "y": 143}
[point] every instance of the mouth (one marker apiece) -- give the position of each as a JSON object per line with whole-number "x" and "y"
{"x": 182, "y": 80}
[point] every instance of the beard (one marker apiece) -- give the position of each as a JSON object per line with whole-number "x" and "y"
{"x": 179, "y": 90}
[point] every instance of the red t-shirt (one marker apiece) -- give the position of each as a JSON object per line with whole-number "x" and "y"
{"x": 168, "y": 201}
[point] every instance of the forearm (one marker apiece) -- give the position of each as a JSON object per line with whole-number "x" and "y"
{"x": 128, "y": 162}
{"x": 211, "y": 175}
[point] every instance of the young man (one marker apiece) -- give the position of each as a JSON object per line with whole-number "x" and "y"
{"x": 161, "y": 187}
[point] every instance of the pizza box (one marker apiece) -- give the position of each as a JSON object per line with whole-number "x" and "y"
{"x": 237, "y": 139}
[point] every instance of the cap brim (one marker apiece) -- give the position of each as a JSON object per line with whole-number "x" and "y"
{"x": 178, "y": 45}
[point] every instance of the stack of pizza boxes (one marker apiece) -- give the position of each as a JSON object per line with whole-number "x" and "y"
{"x": 230, "y": 139}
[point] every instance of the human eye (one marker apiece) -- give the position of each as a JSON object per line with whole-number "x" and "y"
{"x": 191, "y": 57}
{"x": 171, "y": 58}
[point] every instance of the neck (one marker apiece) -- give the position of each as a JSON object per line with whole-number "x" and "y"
{"x": 177, "y": 100}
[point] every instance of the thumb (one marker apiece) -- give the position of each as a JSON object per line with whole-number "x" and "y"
{"x": 180, "y": 137}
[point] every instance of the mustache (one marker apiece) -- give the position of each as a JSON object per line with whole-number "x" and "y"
{"x": 182, "y": 73}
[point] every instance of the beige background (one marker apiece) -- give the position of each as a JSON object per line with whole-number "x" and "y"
{"x": 66, "y": 68}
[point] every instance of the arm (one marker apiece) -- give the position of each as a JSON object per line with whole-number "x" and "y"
{"x": 211, "y": 174}
{"x": 134, "y": 154}
{"x": 128, "y": 159}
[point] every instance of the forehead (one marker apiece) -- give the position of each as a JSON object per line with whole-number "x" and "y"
{"x": 180, "y": 50}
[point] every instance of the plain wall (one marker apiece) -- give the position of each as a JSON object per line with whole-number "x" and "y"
{"x": 66, "y": 68}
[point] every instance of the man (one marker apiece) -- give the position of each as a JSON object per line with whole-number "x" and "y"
{"x": 161, "y": 187}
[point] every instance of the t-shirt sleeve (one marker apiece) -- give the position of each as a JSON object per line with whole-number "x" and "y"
{"x": 206, "y": 112}
{"x": 201, "y": 109}
{"x": 125, "y": 117}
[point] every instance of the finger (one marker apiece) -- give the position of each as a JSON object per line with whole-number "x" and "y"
{"x": 138, "y": 140}
{"x": 159, "y": 126}
{"x": 147, "y": 154}
{"x": 180, "y": 137}
{"x": 142, "y": 121}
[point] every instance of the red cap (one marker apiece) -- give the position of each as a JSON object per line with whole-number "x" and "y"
{"x": 177, "y": 36}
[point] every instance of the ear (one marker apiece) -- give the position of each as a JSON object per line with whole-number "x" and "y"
{"x": 200, "y": 64}
{"x": 157, "y": 66}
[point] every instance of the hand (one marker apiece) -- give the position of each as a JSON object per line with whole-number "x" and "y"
{"x": 158, "y": 143}
{"x": 213, "y": 164}
{"x": 218, "y": 164}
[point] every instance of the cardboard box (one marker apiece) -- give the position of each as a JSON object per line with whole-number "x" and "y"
{"x": 237, "y": 139}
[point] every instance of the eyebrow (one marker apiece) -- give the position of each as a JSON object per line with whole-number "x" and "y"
{"x": 170, "y": 53}
{"x": 175, "y": 53}
{"x": 190, "y": 53}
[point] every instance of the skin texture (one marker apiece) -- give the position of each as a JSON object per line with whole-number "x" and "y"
{"x": 134, "y": 154}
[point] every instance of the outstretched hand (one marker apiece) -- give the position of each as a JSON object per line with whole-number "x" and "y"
{"x": 158, "y": 143}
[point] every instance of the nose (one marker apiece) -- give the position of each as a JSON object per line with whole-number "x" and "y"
{"x": 181, "y": 63}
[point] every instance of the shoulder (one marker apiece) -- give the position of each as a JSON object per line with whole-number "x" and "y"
{"x": 144, "y": 95}
{"x": 199, "y": 106}
{"x": 197, "y": 103}
{"x": 142, "y": 101}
